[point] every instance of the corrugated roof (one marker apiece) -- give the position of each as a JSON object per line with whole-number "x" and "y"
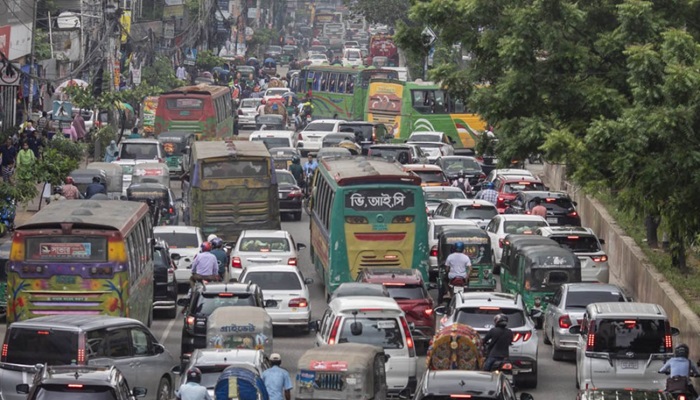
{"x": 360, "y": 167}
{"x": 114, "y": 214}
{"x": 216, "y": 149}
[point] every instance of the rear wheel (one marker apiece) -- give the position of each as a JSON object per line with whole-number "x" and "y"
{"x": 297, "y": 216}
{"x": 528, "y": 380}
{"x": 164, "y": 389}
{"x": 557, "y": 355}
{"x": 546, "y": 339}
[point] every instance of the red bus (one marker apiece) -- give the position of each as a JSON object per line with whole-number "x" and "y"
{"x": 204, "y": 109}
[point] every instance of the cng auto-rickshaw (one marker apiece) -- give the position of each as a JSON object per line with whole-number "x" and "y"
{"x": 159, "y": 199}
{"x": 342, "y": 371}
{"x": 537, "y": 271}
{"x": 176, "y": 146}
{"x": 151, "y": 173}
{"x": 513, "y": 242}
{"x": 240, "y": 327}
{"x": 282, "y": 156}
{"x": 477, "y": 246}
{"x": 115, "y": 178}
{"x": 83, "y": 177}
{"x": 5, "y": 248}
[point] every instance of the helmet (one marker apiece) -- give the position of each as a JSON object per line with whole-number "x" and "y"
{"x": 69, "y": 181}
{"x": 194, "y": 375}
{"x": 295, "y": 159}
{"x": 216, "y": 243}
{"x": 206, "y": 246}
{"x": 211, "y": 237}
{"x": 500, "y": 320}
{"x": 682, "y": 350}
{"x": 459, "y": 247}
{"x": 489, "y": 185}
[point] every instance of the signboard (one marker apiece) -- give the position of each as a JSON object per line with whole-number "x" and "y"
{"x": 125, "y": 21}
{"x": 66, "y": 45}
{"x": 136, "y": 76}
{"x": 62, "y": 111}
{"x": 328, "y": 365}
{"x": 117, "y": 73}
{"x": 168, "y": 30}
{"x": 9, "y": 76}
{"x": 5, "y": 32}
{"x": 190, "y": 56}
{"x": 177, "y": 11}
{"x": 149, "y": 113}
{"x": 66, "y": 250}
{"x": 379, "y": 200}
{"x": 252, "y": 12}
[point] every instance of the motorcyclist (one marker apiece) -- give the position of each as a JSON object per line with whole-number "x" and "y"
{"x": 488, "y": 193}
{"x": 457, "y": 265}
{"x": 497, "y": 342}
{"x": 221, "y": 256}
{"x": 463, "y": 183}
{"x": 205, "y": 265}
{"x": 94, "y": 188}
{"x": 193, "y": 390}
{"x": 678, "y": 367}
{"x": 296, "y": 170}
{"x": 70, "y": 191}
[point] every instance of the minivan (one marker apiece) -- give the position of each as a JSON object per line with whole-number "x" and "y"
{"x": 378, "y": 321}
{"x": 85, "y": 340}
{"x": 623, "y": 345}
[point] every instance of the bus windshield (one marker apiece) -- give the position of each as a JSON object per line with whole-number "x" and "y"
{"x": 233, "y": 169}
{"x": 184, "y": 104}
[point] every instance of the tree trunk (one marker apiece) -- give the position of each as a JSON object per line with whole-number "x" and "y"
{"x": 652, "y": 225}
{"x": 678, "y": 251}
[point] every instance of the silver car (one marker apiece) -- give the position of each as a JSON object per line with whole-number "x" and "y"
{"x": 263, "y": 247}
{"x": 247, "y": 111}
{"x": 566, "y": 308}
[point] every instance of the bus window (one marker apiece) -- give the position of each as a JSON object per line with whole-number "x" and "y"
{"x": 341, "y": 82}
{"x": 324, "y": 81}
{"x": 317, "y": 82}
{"x": 439, "y": 102}
{"x": 350, "y": 86}
{"x": 420, "y": 101}
{"x": 333, "y": 82}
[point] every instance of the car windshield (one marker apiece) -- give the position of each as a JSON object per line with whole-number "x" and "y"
{"x": 264, "y": 245}
{"x": 250, "y": 103}
{"x": 79, "y": 392}
{"x": 549, "y": 279}
{"x": 432, "y": 152}
{"x": 439, "y": 195}
{"x": 555, "y": 204}
{"x": 581, "y": 299}
{"x": 271, "y": 280}
{"x": 179, "y": 240}
{"x": 234, "y": 169}
{"x": 408, "y": 292}
{"x": 210, "y": 375}
{"x": 424, "y": 137}
{"x": 578, "y": 244}
{"x": 320, "y": 127}
{"x": 469, "y": 212}
{"x": 431, "y": 176}
{"x": 208, "y": 302}
{"x": 138, "y": 151}
{"x": 39, "y": 346}
{"x": 522, "y": 227}
{"x": 364, "y": 129}
{"x": 327, "y": 152}
{"x": 389, "y": 153}
{"x": 523, "y": 186}
{"x": 639, "y": 336}
{"x": 378, "y": 331}
{"x": 482, "y": 317}
{"x": 272, "y": 142}
{"x": 159, "y": 258}
{"x": 284, "y": 177}
{"x": 458, "y": 164}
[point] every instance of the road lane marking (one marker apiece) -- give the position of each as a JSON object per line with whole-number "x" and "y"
{"x": 166, "y": 332}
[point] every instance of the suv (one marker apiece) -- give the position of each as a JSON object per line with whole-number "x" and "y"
{"x": 561, "y": 210}
{"x": 85, "y": 339}
{"x": 406, "y": 286}
{"x": 366, "y": 133}
{"x": 446, "y": 385}
{"x": 403, "y": 153}
{"x": 478, "y": 310}
{"x": 164, "y": 283}
{"x": 311, "y": 137}
{"x": 479, "y": 211}
{"x": 623, "y": 345}
{"x": 508, "y": 187}
{"x": 203, "y": 300}
{"x": 80, "y": 383}
{"x": 585, "y": 244}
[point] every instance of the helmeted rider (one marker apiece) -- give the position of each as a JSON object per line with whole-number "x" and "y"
{"x": 205, "y": 265}
{"x": 463, "y": 183}
{"x": 296, "y": 170}
{"x": 217, "y": 249}
{"x": 497, "y": 342}
{"x": 457, "y": 265}
{"x": 488, "y": 193}
{"x": 680, "y": 366}
{"x": 192, "y": 389}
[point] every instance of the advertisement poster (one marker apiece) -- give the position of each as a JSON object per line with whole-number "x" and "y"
{"x": 149, "y": 114}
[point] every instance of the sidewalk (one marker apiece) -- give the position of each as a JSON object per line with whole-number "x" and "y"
{"x": 25, "y": 212}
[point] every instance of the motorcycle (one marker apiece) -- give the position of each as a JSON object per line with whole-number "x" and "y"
{"x": 457, "y": 285}
{"x": 680, "y": 387}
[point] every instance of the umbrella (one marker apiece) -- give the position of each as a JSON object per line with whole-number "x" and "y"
{"x": 69, "y": 83}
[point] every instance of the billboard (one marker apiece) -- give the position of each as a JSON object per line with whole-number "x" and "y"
{"x": 18, "y": 15}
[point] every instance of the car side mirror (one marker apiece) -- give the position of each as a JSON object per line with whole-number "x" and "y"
{"x": 386, "y": 358}
{"x": 300, "y": 246}
{"x": 158, "y": 348}
{"x": 175, "y": 256}
{"x": 575, "y": 330}
{"x": 183, "y": 301}
{"x": 548, "y": 299}
{"x": 452, "y": 141}
{"x": 317, "y": 325}
{"x": 176, "y": 370}
{"x": 675, "y": 331}
{"x": 22, "y": 388}
{"x": 270, "y": 303}
{"x": 602, "y": 241}
{"x": 441, "y": 310}
{"x": 574, "y": 203}
{"x": 139, "y": 391}
{"x": 526, "y": 396}
{"x": 547, "y": 188}
{"x": 308, "y": 281}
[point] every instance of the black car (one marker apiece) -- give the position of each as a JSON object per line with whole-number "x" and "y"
{"x": 203, "y": 300}
{"x": 290, "y": 195}
{"x": 164, "y": 283}
{"x": 366, "y": 133}
{"x": 561, "y": 210}
{"x": 448, "y": 385}
{"x": 80, "y": 383}
{"x": 453, "y": 166}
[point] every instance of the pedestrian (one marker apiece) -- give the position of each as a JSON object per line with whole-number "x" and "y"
{"x": 538, "y": 209}
{"x": 181, "y": 73}
{"x": 79, "y": 125}
{"x": 111, "y": 152}
{"x": 9, "y": 157}
{"x": 42, "y": 125}
{"x": 276, "y": 379}
{"x": 25, "y": 156}
{"x": 35, "y": 142}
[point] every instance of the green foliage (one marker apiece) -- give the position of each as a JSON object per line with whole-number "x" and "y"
{"x": 261, "y": 38}
{"x": 42, "y": 45}
{"x": 388, "y": 12}
{"x": 207, "y": 60}
{"x": 161, "y": 75}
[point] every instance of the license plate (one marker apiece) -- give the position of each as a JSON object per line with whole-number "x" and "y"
{"x": 629, "y": 364}
{"x": 552, "y": 220}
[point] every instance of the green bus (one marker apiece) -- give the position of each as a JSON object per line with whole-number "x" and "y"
{"x": 338, "y": 92}
{"x": 366, "y": 213}
{"x": 203, "y": 109}
{"x": 407, "y": 107}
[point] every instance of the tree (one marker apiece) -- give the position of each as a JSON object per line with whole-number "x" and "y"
{"x": 161, "y": 75}
{"x": 387, "y": 12}
{"x": 207, "y": 60}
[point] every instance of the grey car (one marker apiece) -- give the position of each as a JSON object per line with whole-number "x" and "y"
{"x": 566, "y": 307}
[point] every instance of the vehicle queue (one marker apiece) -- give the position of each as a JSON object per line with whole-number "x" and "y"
{"x": 386, "y": 218}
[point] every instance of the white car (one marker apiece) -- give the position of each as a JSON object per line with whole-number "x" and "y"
{"x": 352, "y": 58}
{"x": 312, "y": 136}
{"x": 434, "y": 195}
{"x": 479, "y": 211}
{"x": 430, "y": 136}
{"x": 435, "y": 150}
{"x": 247, "y": 111}
{"x": 506, "y": 224}
{"x": 184, "y": 243}
{"x": 494, "y": 174}
{"x": 318, "y": 59}
{"x": 286, "y": 287}
{"x": 588, "y": 248}
{"x": 275, "y": 92}
{"x": 263, "y": 247}
{"x": 137, "y": 151}
{"x": 435, "y": 227}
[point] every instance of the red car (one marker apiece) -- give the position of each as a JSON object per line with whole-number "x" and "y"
{"x": 509, "y": 186}
{"x": 406, "y": 286}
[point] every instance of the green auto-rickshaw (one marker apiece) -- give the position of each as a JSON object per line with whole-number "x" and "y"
{"x": 477, "y": 246}
{"x": 537, "y": 271}
{"x": 177, "y": 150}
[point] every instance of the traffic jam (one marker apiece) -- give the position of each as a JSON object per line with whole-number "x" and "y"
{"x": 331, "y": 253}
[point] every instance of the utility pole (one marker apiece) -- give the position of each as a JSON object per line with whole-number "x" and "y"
{"x": 32, "y": 60}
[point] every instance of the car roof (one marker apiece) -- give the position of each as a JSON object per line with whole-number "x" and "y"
{"x": 353, "y": 287}
{"x": 390, "y": 146}
{"x": 422, "y": 167}
{"x": 469, "y": 202}
{"x": 515, "y": 239}
{"x": 426, "y": 133}
{"x": 398, "y": 275}
{"x": 591, "y": 287}
{"x": 460, "y": 382}
{"x": 176, "y": 229}
{"x": 273, "y": 268}
{"x": 453, "y": 221}
{"x": 327, "y": 121}
{"x": 140, "y": 141}
{"x": 424, "y": 143}
{"x": 518, "y": 178}
{"x": 342, "y": 304}
{"x": 457, "y": 158}
{"x": 513, "y": 171}
{"x": 441, "y": 189}
{"x": 219, "y": 356}
{"x": 283, "y": 171}
{"x": 495, "y": 298}
{"x": 84, "y": 375}
{"x": 520, "y": 217}
{"x": 84, "y": 322}
{"x": 549, "y": 250}
{"x": 227, "y": 287}
{"x": 269, "y": 233}
{"x": 543, "y": 194}
{"x": 626, "y": 310}
{"x": 567, "y": 230}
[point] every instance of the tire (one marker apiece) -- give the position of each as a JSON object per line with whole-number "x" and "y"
{"x": 557, "y": 355}
{"x": 150, "y": 318}
{"x": 297, "y": 216}
{"x": 578, "y": 385}
{"x": 528, "y": 381}
{"x": 164, "y": 389}
{"x": 546, "y": 339}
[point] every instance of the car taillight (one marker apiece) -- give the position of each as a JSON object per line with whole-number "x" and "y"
{"x": 81, "y": 356}
{"x": 500, "y": 243}
{"x": 409, "y": 339}
{"x": 668, "y": 343}
{"x": 75, "y": 386}
{"x": 171, "y": 210}
{"x": 572, "y": 214}
{"x": 300, "y": 137}
{"x": 434, "y": 251}
{"x": 565, "y": 322}
{"x": 602, "y": 258}
{"x": 292, "y": 261}
{"x": 190, "y": 322}
{"x": 236, "y": 262}
{"x": 428, "y": 312}
{"x": 524, "y": 336}
{"x": 334, "y": 330}
{"x": 590, "y": 343}
{"x": 298, "y": 302}
{"x": 171, "y": 275}
{"x": 4, "y": 351}
{"x": 295, "y": 193}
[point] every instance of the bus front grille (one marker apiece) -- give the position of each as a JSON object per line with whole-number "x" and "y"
{"x": 244, "y": 212}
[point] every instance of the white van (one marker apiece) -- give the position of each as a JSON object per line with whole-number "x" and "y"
{"x": 273, "y": 139}
{"x": 623, "y": 345}
{"x": 378, "y": 321}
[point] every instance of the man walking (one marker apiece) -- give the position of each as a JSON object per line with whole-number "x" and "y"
{"x": 277, "y": 381}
